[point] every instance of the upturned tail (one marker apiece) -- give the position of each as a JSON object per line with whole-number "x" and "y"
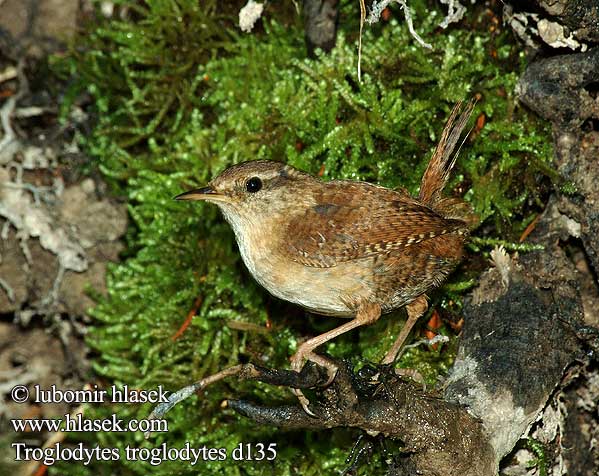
{"x": 437, "y": 172}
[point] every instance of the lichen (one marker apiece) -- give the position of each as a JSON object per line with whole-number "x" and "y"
{"x": 179, "y": 95}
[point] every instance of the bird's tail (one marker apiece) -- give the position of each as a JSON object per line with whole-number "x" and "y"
{"x": 437, "y": 172}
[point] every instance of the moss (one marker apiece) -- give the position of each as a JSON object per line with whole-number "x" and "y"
{"x": 540, "y": 460}
{"x": 179, "y": 95}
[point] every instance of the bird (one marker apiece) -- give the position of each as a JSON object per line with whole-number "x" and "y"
{"x": 344, "y": 248}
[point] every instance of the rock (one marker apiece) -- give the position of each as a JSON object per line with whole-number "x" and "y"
{"x": 93, "y": 221}
{"x": 579, "y": 16}
{"x": 34, "y": 356}
{"x": 555, "y": 35}
{"x": 51, "y": 278}
{"x": 563, "y": 89}
{"x": 501, "y": 372}
{"x": 75, "y": 286}
{"x": 13, "y": 271}
{"x": 559, "y": 88}
{"x": 320, "y": 24}
{"x": 42, "y": 18}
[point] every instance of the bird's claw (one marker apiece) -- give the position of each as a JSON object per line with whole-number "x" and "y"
{"x": 303, "y": 400}
{"x": 298, "y": 360}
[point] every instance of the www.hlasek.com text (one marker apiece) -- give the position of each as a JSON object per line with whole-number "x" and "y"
{"x": 77, "y": 423}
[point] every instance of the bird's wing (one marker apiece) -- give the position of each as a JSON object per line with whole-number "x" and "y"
{"x": 354, "y": 220}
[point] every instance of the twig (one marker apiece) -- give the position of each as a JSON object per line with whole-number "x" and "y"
{"x": 435, "y": 340}
{"x": 310, "y": 376}
{"x": 455, "y": 12}
{"x": 23, "y": 236}
{"x": 35, "y": 191}
{"x": 52, "y": 297}
{"x": 5, "y": 114}
{"x": 41, "y": 471}
{"x": 529, "y": 229}
{"x": 408, "y": 15}
{"x": 432, "y": 341}
{"x": 247, "y": 327}
{"x": 362, "y": 18}
{"x": 31, "y": 111}
{"x": 161, "y": 409}
{"x": 5, "y": 230}
{"x": 10, "y": 72}
{"x": 8, "y": 109}
{"x": 8, "y": 289}
{"x": 377, "y": 9}
{"x": 190, "y": 315}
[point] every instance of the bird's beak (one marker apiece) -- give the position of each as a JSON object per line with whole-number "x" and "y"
{"x": 205, "y": 193}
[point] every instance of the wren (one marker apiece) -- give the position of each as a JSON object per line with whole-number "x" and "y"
{"x": 345, "y": 248}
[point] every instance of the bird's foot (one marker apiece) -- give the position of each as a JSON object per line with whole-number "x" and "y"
{"x": 298, "y": 360}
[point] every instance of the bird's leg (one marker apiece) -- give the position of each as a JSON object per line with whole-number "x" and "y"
{"x": 415, "y": 309}
{"x": 367, "y": 313}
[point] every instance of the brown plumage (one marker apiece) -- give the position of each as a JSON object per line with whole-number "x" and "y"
{"x": 345, "y": 248}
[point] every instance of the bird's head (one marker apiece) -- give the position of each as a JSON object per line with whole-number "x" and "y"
{"x": 255, "y": 190}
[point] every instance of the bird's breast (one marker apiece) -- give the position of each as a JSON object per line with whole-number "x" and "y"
{"x": 328, "y": 291}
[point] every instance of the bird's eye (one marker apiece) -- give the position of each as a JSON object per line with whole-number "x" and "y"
{"x": 253, "y": 185}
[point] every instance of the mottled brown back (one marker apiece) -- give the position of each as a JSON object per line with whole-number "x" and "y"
{"x": 354, "y": 220}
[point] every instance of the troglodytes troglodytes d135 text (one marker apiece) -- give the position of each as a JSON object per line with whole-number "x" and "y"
{"x": 345, "y": 248}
